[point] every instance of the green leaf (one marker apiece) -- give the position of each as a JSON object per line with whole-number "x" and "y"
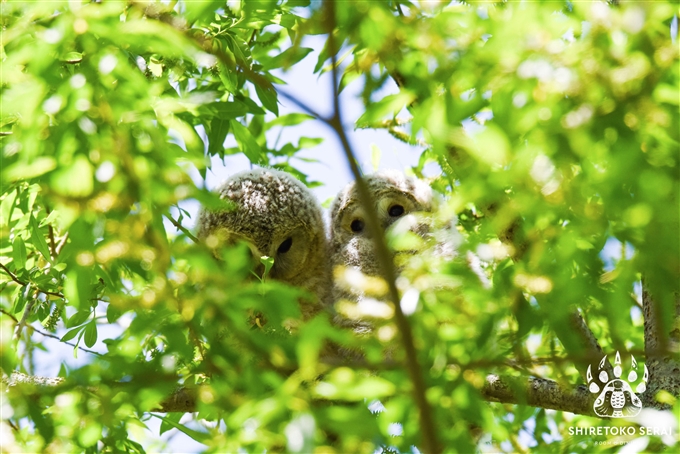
{"x": 75, "y": 180}
{"x": 490, "y": 146}
{"x": 291, "y": 119}
{"x": 202, "y": 11}
{"x": 165, "y": 425}
{"x": 228, "y": 78}
{"x": 309, "y": 142}
{"x": 390, "y": 105}
{"x": 19, "y": 253}
{"x": 39, "y": 241}
{"x": 6, "y": 207}
{"x": 268, "y": 96}
{"x": 72, "y": 58}
{"x": 23, "y": 171}
{"x": 268, "y": 263}
{"x": 200, "y": 437}
{"x": 113, "y": 313}
{"x": 288, "y": 57}
{"x": 250, "y": 105}
{"x": 21, "y": 299}
{"x": 344, "y": 383}
{"x": 224, "y": 110}
{"x": 247, "y": 143}
{"x": 70, "y": 334}
{"x": 78, "y": 318}
{"x": 667, "y": 94}
{"x": 91, "y": 333}
{"x": 78, "y": 288}
{"x": 44, "y": 424}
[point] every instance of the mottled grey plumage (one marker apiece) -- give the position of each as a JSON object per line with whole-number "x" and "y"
{"x": 395, "y": 196}
{"x": 280, "y": 218}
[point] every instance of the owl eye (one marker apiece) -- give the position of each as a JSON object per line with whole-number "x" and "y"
{"x": 357, "y": 226}
{"x": 396, "y": 210}
{"x": 285, "y": 246}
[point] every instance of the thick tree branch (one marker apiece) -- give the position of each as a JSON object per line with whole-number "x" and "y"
{"x": 538, "y": 392}
{"x": 183, "y": 399}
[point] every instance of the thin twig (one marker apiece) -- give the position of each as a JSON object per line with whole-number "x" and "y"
{"x": 42, "y": 333}
{"x": 50, "y": 234}
{"x": 182, "y": 228}
{"x": 384, "y": 257}
{"x": 60, "y": 246}
{"x": 9, "y": 315}
{"x": 303, "y": 106}
{"x": 12, "y": 275}
{"x": 22, "y": 283}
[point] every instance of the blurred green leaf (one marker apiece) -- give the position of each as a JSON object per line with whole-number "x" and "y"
{"x": 19, "y": 253}
{"x": 292, "y": 119}
{"x": 390, "y": 105}
{"x": 21, "y": 171}
{"x": 75, "y": 180}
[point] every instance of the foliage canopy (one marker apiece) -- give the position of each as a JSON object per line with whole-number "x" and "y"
{"x": 570, "y": 147}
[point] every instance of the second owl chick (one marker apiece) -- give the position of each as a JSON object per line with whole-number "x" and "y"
{"x": 395, "y": 196}
{"x": 280, "y": 218}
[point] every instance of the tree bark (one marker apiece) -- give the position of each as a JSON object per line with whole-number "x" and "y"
{"x": 536, "y": 392}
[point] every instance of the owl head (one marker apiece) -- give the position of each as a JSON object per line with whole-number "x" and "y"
{"x": 395, "y": 197}
{"x": 278, "y": 217}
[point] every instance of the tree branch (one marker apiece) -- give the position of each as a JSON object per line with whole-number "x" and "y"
{"x": 9, "y": 315}
{"x": 22, "y": 283}
{"x": 538, "y": 392}
{"x": 183, "y": 399}
{"x": 383, "y": 255}
{"x": 52, "y": 336}
{"x": 181, "y": 228}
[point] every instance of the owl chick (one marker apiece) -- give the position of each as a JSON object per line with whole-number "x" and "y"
{"x": 395, "y": 196}
{"x": 280, "y": 218}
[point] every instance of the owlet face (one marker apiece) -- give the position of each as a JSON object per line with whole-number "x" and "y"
{"x": 395, "y": 196}
{"x": 279, "y": 217}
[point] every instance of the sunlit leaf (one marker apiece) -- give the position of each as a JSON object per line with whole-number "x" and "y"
{"x": 39, "y": 240}
{"x": 19, "y": 253}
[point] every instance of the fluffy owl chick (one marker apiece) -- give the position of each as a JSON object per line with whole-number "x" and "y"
{"x": 280, "y": 218}
{"x": 395, "y": 196}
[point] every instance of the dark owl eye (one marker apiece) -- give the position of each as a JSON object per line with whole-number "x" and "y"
{"x": 285, "y": 246}
{"x": 357, "y": 226}
{"x": 396, "y": 210}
